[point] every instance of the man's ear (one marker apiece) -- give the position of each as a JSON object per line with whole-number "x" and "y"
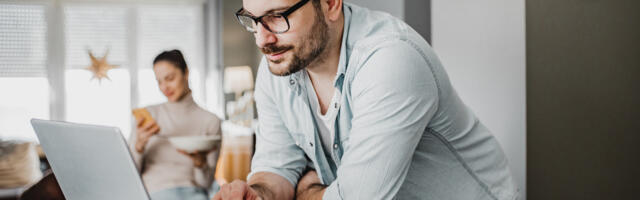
{"x": 334, "y": 9}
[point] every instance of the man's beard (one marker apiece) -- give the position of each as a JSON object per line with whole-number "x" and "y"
{"x": 310, "y": 51}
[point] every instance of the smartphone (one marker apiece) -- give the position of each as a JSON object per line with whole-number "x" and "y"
{"x": 142, "y": 113}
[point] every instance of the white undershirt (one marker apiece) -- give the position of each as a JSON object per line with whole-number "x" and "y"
{"x": 326, "y": 129}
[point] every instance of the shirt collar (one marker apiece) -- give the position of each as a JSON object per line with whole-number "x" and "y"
{"x": 295, "y": 82}
{"x": 295, "y": 79}
{"x": 342, "y": 63}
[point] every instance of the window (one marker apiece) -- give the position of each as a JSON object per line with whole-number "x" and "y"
{"x": 108, "y": 28}
{"x": 19, "y": 104}
{"x": 162, "y": 28}
{"x": 23, "y": 81}
{"x": 99, "y": 29}
{"x": 132, "y": 34}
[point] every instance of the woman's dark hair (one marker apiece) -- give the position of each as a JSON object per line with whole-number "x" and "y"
{"x": 174, "y": 57}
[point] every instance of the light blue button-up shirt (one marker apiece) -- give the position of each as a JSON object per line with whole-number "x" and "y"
{"x": 401, "y": 132}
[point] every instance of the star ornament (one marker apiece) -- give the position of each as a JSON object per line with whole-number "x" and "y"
{"x": 99, "y": 66}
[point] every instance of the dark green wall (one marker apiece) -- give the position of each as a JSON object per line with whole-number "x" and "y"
{"x": 238, "y": 45}
{"x": 583, "y": 93}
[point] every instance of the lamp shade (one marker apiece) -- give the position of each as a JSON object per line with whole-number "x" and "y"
{"x": 237, "y": 79}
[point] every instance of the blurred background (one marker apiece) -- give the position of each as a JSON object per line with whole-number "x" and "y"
{"x": 556, "y": 81}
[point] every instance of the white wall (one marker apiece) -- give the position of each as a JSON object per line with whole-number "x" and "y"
{"x": 482, "y": 46}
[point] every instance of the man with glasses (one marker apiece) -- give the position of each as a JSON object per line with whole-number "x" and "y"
{"x": 354, "y": 104}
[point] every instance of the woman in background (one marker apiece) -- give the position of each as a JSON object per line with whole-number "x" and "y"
{"x": 167, "y": 172}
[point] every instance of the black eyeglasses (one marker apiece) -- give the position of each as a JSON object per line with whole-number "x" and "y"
{"x": 275, "y": 23}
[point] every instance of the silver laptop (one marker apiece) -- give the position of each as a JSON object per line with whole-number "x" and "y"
{"x": 90, "y": 162}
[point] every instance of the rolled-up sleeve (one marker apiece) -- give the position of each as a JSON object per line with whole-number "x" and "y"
{"x": 394, "y": 96}
{"x": 276, "y": 150}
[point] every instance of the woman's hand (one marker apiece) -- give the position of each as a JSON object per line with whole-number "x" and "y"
{"x": 144, "y": 132}
{"x": 199, "y": 158}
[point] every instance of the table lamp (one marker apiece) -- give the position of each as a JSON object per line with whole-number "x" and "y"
{"x": 237, "y": 79}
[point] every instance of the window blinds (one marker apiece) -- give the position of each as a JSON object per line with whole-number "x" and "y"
{"x": 23, "y": 46}
{"x": 164, "y": 27}
{"x": 96, "y": 28}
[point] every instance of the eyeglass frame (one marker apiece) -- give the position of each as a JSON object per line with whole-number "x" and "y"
{"x": 284, "y": 14}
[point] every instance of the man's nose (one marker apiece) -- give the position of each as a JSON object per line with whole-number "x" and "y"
{"x": 264, "y": 36}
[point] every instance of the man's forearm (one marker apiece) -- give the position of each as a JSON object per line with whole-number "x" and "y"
{"x": 312, "y": 192}
{"x": 270, "y": 186}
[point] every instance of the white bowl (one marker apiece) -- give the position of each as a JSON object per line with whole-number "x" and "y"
{"x": 192, "y": 144}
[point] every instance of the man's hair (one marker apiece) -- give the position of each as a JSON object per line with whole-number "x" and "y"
{"x": 316, "y": 3}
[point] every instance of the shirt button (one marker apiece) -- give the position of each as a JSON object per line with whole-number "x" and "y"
{"x": 310, "y": 144}
{"x": 335, "y": 105}
{"x": 335, "y": 146}
{"x": 292, "y": 82}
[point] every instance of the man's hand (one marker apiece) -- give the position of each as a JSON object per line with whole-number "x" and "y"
{"x": 236, "y": 190}
{"x": 310, "y": 187}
